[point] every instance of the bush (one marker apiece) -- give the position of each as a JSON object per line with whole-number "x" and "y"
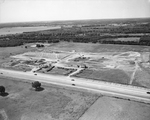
{"x": 36, "y": 85}
{"x": 2, "y": 89}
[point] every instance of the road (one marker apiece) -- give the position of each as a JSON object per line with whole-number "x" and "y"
{"x": 75, "y": 72}
{"x": 133, "y": 74}
{"x": 111, "y": 89}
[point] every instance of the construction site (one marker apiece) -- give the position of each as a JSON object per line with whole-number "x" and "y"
{"x": 117, "y": 67}
{"x": 79, "y": 83}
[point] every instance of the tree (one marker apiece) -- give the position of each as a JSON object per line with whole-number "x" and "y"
{"x": 36, "y": 85}
{"x": 2, "y": 89}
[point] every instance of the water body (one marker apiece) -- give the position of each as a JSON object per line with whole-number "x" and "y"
{"x": 14, "y": 30}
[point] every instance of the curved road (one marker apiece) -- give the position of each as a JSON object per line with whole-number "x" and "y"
{"x": 111, "y": 89}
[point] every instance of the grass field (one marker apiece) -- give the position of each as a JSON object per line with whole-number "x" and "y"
{"x": 9, "y": 51}
{"x": 58, "y": 103}
{"x": 106, "y": 108}
{"x": 90, "y": 47}
{"x": 53, "y": 103}
{"x": 108, "y": 75}
{"x": 142, "y": 78}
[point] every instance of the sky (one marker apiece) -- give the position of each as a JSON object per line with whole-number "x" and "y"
{"x": 51, "y": 10}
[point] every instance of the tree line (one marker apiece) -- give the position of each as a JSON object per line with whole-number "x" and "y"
{"x": 84, "y": 34}
{"x": 17, "y": 41}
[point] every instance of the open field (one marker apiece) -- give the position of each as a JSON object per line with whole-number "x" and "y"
{"x": 96, "y": 48}
{"x": 112, "y": 75}
{"x": 5, "y": 56}
{"x": 6, "y": 52}
{"x": 50, "y": 55}
{"x": 59, "y": 103}
{"x": 142, "y": 77}
{"x": 53, "y": 103}
{"x": 107, "y": 108}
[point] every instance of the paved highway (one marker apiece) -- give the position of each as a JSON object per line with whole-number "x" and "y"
{"x": 111, "y": 89}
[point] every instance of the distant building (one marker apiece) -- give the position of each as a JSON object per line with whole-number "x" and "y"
{"x": 83, "y": 66}
{"x": 39, "y": 45}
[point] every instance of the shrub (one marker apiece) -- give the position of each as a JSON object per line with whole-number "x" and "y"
{"x": 2, "y": 89}
{"x": 36, "y": 85}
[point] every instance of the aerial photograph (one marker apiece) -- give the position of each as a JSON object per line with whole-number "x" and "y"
{"x": 74, "y": 59}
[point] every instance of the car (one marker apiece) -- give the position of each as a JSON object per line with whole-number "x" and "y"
{"x": 148, "y": 92}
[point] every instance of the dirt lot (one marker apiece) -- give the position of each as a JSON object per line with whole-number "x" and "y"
{"x": 53, "y": 103}
{"x": 57, "y": 71}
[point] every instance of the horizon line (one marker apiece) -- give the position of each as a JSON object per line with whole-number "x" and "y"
{"x": 75, "y": 20}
